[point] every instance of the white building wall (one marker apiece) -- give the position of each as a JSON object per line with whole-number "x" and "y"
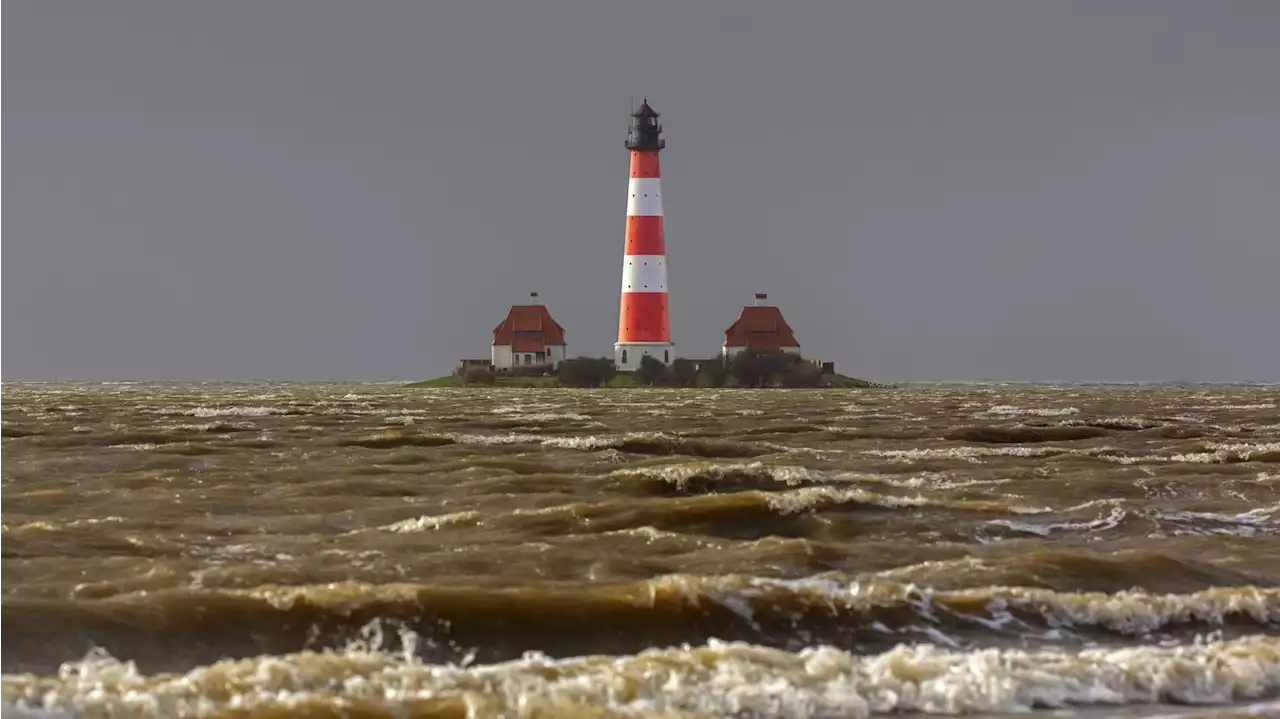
{"x": 664, "y": 352}
{"x": 504, "y": 359}
{"x": 500, "y": 356}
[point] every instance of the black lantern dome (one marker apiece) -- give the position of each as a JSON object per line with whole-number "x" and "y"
{"x": 645, "y": 133}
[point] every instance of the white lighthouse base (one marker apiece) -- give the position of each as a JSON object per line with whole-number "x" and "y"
{"x": 627, "y": 355}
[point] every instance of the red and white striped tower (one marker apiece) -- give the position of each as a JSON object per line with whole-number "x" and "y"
{"x": 644, "y": 325}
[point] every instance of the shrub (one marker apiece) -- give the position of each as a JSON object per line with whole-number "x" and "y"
{"x": 801, "y": 374}
{"x": 586, "y": 372}
{"x": 478, "y": 375}
{"x": 770, "y": 369}
{"x": 684, "y": 373}
{"x": 755, "y": 369}
{"x": 652, "y": 372}
{"x": 713, "y": 373}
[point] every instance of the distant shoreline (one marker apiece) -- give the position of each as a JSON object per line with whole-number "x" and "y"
{"x": 623, "y": 380}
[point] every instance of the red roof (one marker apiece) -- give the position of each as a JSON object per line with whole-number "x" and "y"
{"x": 762, "y": 329}
{"x": 528, "y": 328}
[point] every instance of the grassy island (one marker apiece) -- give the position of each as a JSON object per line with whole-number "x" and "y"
{"x": 747, "y": 369}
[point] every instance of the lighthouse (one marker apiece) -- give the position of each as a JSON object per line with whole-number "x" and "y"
{"x": 644, "y": 323}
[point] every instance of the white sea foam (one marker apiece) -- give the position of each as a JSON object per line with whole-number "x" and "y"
{"x": 718, "y": 679}
{"x": 974, "y": 454}
{"x": 1216, "y": 453}
{"x": 233, "y": 411}
{"x": 550, "y": 416}
{"x": 1117, "y": 422}
{"x": 427, "y": 523}
{"x": 682, "y": 472}
{"x": 1221, "y": 452}
{"x": 1008, "y": 410}
{"x": 587, "y": 443}
{"x": 1110, "y": 520}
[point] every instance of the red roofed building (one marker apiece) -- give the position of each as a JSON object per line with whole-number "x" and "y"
{"x": 527, "y": 337}
{"x": 760, "y": 328}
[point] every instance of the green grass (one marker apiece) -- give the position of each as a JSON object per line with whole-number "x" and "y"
{"x": 623, "y": 379}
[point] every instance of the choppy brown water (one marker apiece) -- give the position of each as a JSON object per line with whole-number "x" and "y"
{"x": 364, "y": 550}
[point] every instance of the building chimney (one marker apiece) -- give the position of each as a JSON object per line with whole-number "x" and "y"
{"x": 760, "y": 296}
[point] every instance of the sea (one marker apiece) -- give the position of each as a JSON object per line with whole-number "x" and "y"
{"x": 375, "y": 550}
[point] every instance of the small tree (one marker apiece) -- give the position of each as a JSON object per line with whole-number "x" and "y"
{"x": 747, "y": 368}
{"x": 651, "y": 372}
{"x": 606, "y": 369}
{"x": 684, "y": 373}
{"x": 586, "y": 372}
{"x": 713, "y": 373}
{"x": 760, "y": 369}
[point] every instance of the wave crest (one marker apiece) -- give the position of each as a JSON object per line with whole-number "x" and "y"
{"x": 717, "y": 678}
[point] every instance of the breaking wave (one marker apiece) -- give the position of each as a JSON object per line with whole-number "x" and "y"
{"x": 652, "y": 443}
{"x": 693, "y": 478}
{"x": 203, "y": 626}
{"x": 735, "y": 646}
{"x": 745, "y": 515}
{"x": 716, "y": 679}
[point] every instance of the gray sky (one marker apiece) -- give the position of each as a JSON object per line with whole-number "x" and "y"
{"x": 309, "y": 189}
